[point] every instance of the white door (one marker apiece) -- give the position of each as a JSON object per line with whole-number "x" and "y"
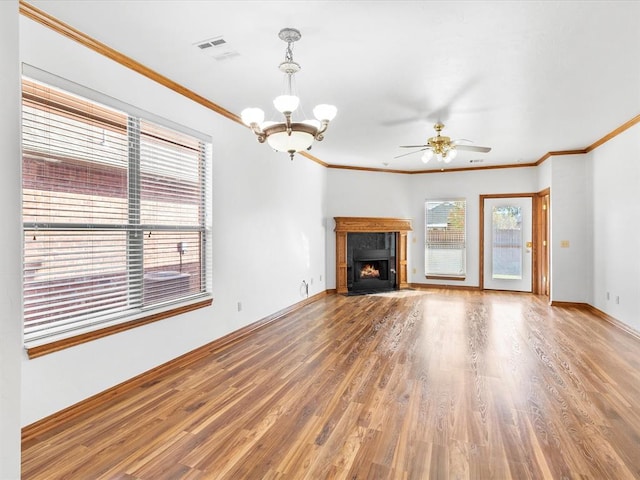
{"x": 507, "y": 243}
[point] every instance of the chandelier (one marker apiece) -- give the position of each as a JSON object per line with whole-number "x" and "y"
{"x": 289, "y": 136}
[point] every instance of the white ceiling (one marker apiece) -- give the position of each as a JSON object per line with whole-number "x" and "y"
{"x": 525, "y": 78}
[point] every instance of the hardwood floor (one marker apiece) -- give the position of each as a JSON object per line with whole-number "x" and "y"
{"x": 414, "y": 385}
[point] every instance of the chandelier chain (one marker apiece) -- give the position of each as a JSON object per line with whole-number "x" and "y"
{"x": 288, "y": 54}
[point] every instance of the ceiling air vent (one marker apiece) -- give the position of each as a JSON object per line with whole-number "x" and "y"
{"x": 216, "y": 47}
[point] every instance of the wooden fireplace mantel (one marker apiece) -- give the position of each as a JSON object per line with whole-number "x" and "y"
{"x": 345, "y": 225}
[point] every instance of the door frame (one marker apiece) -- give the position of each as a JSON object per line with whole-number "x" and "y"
{"x": 542, "y": 239}
{"x": 536, "y": 201}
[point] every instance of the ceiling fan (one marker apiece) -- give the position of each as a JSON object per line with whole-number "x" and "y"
{"x": 442, "y": 147}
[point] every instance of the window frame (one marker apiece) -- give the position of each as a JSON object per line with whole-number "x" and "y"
{"x": 47, "y": 340}
{"x": 445, "y": 275}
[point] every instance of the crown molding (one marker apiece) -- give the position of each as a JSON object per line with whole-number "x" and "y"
{"x": 68, "y": 31}
{"x": 613, "y": 133}
{"x": 548, "y": 155}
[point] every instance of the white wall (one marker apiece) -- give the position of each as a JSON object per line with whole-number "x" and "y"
{"x": 352, "y": 193}
{"x": 570, "y": 226}
{"x": 268, "y": 215}
{"x": 376, "y": 194}
{"x": 10, "y": 262}
{"x": 544, "y": 174}
{"x": 615, "y": 261}
{"x": 468, "y": 185}
{"x": 268, "y": 235}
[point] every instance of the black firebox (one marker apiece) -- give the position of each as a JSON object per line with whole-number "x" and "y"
{"x": 371, "y": 262}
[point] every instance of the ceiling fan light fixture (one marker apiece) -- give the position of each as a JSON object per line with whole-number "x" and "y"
{"x": 442, "y": 147}
{"x": 450, "y": 155}
{"x": 289, "y": 136}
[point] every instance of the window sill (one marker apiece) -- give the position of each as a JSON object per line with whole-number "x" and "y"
{"x": 444, "y": 277}
{"x": 54, "y": 345}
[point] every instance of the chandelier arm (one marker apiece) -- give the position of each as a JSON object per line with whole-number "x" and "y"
{"x": 255, "y": 128}
{"x": 287, "y": 122}
{"x": 324, "y": 124}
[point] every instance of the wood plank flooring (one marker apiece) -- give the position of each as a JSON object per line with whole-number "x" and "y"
{"x": 411, "y": 385}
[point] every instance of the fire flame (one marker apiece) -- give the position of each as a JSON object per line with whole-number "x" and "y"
{"x": 369, "y": 271}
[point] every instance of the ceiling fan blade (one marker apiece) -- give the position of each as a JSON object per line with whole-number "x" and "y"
{"x": 473, "y": 148}
{"x": 414, "y": 146}
{"x": 411, "y": 153}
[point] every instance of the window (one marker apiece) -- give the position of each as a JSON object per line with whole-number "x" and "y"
{"x": 114, "y": 213}
{"x": 445, "y": 238}
{"x": 506, "y": 242}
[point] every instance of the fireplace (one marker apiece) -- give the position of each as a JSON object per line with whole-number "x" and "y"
{"x": 372, "y": 236}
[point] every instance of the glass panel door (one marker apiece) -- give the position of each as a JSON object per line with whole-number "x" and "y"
{"x": 507, "y": 244}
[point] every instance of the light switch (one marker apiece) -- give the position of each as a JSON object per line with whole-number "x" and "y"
{"x": 564, "y": 243}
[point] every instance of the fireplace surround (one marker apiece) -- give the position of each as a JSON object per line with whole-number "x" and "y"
{"x": 396, "y": 258}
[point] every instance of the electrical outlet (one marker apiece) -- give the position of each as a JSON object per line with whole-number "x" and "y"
{"x": 320, "y": 277}
{"x": 414, "y": 271}
{"x": 239, "y": 306}
{"x": 617, "y": 299}
{"x": 311, "y": 281}
{"x": 608, "y": 296}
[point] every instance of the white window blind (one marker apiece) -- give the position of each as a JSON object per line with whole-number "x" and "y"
{"x": 445, "y": 238}
{"x": 114, "y": 212}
